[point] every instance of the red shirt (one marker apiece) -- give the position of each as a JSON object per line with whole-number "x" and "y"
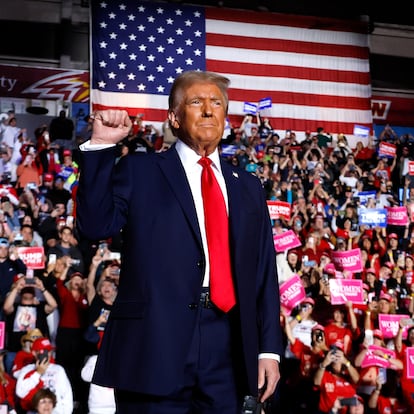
{"x": 21, "y": 359}
{"x": 309, "y": 360}
{"x": 72, "y": 312}
{"x": 364, "y": 154}
{"x": 407, "y": 384}
{"x": 8, "y": 390}
{"x": 334, "y": 333}
{"x": 333, "y": 387}
{"x": 386, "y": 405}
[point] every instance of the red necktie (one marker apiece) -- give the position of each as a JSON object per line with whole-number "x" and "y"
{"x": 217, "y": 231}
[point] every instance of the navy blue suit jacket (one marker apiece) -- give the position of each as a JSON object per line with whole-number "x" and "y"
{"x": 149, "y": 332}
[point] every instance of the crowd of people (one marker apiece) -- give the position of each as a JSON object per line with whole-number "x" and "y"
{"x": 55, "y": 315}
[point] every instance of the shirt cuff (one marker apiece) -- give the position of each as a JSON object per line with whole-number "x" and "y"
{"x": 269, "y": 355}
{"x": 87, "y": 146}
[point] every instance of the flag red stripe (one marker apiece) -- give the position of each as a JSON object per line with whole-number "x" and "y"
{"x": 281, "y": 97}
{"x": 283, "y": 45}
{"x": 293, "y": 72}
{"x": 308, "y": 22}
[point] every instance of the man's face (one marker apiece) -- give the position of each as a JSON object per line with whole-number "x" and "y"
{"x": 4, "y": 251}
{"x": 202, "y": 117}
{"x": 27, "y": 298}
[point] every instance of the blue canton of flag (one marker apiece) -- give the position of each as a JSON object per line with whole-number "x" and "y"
{"x": 141, "y": 47}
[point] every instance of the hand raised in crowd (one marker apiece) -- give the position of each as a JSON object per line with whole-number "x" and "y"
{"x": 110, "y": 126}
{"x": 58, "y": 211}
{"x": 20, "y": 283}
{"x": 334, "y": 355}
{"x": 61, "y": 268}
{"x": 102, "y": 319}
{"x": 97, "y": 259}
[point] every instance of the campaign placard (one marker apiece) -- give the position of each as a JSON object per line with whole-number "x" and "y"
{"x": 390, "y": 323}
{"x": 2, "y": 334}
{"x": 250, "y": 108}
{"x": 375, "y": 356}
{"x": 346, "y": 290}
{"x": 349, "y": 260}
{"x": 397, "y": 215}
{"x": 375, "y": 217}
{"x": 279, "y": 209}
{"x": 285, "y": 241}
{"x": 292, "y": 293}
{"x": 387, "y": 150}
{"x": 32, "y": 257}
{"x": 409, "y": 359}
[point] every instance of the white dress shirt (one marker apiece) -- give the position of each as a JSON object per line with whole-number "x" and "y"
{"x": 193, "y": 170}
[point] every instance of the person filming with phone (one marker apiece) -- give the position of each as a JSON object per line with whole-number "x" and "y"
{"x": 198, "y": 329}
{"x": 26, "y": 306}
{"x": 336, "y": 377}
{"x": 44, "y": 373}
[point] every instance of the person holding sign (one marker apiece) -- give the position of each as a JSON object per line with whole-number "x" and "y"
{"x": 402, "y": 348}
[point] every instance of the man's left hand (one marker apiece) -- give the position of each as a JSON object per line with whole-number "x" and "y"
{"x": 269, "y": 376}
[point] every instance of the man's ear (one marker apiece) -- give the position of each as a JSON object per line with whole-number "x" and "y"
{"x": 173, "y": 120}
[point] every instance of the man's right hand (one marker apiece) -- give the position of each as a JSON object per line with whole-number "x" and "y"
{"x": 110, "y": 126}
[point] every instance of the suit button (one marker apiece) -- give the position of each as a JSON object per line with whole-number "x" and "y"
{"x": 200, "y": 263}
{"x": 193, "y": 306}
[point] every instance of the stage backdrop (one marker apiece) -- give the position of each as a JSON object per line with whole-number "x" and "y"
{"x": 305, "y": 71}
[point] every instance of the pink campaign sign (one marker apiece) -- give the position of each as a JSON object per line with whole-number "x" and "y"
{"x": 397, "y": 216}
{"x": 390, "y": 323}
{"x": 346, "y": 290}
{"x": 375, "y": 357}
{"x": 2, "y": 334}
{"x": 285, "y": 241}
{"x": 349, "y": 260}
{"x": 409, "y": 353}
{"x": 292, "y": 293}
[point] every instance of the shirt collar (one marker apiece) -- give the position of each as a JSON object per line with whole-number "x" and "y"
{"x": 189, "y": 157}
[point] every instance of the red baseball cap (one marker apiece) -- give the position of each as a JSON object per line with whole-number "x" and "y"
{"x": 385, "y": 296}
{"x": 378, "y": 334}
{"x": 48, "y": 177}
{"x": 42, "y": 344}
{"x": 318, "y": 327}
{"x": 308, "y": 300}
{"x": 330, "y": 269}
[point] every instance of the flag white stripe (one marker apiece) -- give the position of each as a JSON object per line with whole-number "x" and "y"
{"x": 268, "y": 57}
{"x": 265, "y": 31}
{"x": 257, "y": 83}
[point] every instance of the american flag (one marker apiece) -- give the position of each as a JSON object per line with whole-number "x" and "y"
{"x": 315, "y": 71}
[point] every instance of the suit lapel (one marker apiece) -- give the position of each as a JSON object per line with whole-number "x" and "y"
{"x": 174, "y": 173}
{"x": 233, "y": 185}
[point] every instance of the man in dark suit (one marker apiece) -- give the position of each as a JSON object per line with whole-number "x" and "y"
{"x": 167, "y": 348}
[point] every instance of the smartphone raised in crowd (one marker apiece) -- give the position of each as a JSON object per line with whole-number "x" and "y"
{"x": 29, "y": 278}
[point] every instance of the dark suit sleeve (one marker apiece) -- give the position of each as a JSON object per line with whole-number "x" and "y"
{"x": 102, "y": 194}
